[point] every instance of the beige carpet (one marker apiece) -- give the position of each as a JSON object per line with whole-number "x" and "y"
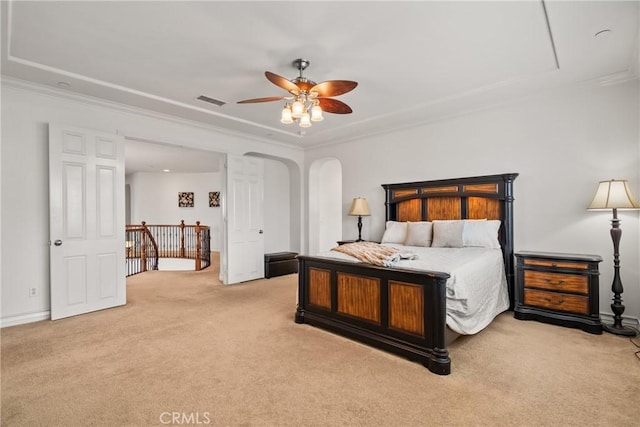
{"x": 185, "y": 346}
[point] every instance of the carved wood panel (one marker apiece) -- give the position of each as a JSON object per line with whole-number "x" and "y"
{"x": 320, "y": 288}
{"x": 359, "y": 296}
{"x": 406, "y": 307}
{"x": 491, "y": 188}
{"x": 410, "y": 210}
{"x": 444, "y": 208}
{"x": 435, "y": 190}
{"x": 480, "y": 207}
{"x": 404, "y": 193}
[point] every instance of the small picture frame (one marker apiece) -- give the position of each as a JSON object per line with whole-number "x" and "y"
{"x": 185, "y": 199}
{"x": 214, "y": 199}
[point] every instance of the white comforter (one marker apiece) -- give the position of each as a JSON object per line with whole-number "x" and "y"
{"x": 477, "y": 289}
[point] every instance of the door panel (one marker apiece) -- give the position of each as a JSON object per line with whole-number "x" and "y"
{"x": 245, "y": 236}
{"x": 87, "y": 259}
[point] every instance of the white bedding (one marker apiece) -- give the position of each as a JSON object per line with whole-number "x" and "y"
{"x": 477, "y": 289}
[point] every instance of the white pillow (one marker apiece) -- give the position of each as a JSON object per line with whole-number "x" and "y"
{"x": 419, "y": 233}
{"x": 447, "y": 234}
{"x": 481, "y": 233}
{"x": 396, "y": 232}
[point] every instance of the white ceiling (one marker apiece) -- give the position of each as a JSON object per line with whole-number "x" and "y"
{"x": 415, "y": 62}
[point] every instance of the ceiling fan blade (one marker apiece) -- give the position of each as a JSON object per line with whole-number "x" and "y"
{"x": 334, "y": 106}
{"x": 268, "y": 99}
{"x": 282, "y": 82}
{"x": 334, "y": 87}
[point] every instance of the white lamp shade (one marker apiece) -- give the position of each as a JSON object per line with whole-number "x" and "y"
{"x": 316, "y": 114}
{"x": 286, "y": 117}
{"x": 614, "y": 194}
{"x": 304, "y": 120}
{"x": 297, "y": 109}
{"x": 359, "y": 207}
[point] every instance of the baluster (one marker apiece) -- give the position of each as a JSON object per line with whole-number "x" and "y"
{"x": 143, "y": 248}
{"x": 182, "y": 238}
{"x": 198, "y": 260}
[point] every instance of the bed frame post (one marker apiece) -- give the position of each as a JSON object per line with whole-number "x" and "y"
{"x": 389, "y": 213}
{"x": 509, "y": 244}
{"x": 302, "y": 291}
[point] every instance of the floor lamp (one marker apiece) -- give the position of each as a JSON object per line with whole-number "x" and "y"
{"x": 359, "y": 208}
{"x": 615, "y": 195}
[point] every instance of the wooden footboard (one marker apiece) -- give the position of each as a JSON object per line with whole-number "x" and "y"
{"x": 400, "y": 311}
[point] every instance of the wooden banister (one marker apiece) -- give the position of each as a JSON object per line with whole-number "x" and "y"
{"x": 168, "y": 241}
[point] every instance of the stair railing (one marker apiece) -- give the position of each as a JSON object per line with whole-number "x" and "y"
{"x": 174, "y": 241}
{"x": 141, "y": 249}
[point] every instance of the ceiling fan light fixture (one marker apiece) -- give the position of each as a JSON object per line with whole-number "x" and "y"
{"x": 286, "y": 116}
{"x": 305, "y": 120}
{"x": 309, "y": 100}
{"x": 297, "y": 109}
{"x": 316, "y": 113}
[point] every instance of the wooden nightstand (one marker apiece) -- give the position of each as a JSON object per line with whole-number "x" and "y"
{"x": 558, "y": 288}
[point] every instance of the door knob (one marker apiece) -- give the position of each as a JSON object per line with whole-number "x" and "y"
{"x": 260, "y": 232}
{"x": 58, "y": 242}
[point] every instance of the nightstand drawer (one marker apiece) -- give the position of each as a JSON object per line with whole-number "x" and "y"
{"x": 556, "y": 264}
{"x": 556, "y": 301}
{"x": 556, "y": 281}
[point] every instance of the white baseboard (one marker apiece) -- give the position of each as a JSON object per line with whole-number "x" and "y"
{"x": 24, "y": 318}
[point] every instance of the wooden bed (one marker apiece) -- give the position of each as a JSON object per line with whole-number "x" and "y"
{"x": 404, "y": 311}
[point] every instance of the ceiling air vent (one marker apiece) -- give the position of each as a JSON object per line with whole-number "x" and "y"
{"x": 211, "y": 100}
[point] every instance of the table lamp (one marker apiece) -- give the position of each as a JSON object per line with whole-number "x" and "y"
{"x": 359, "y": 208}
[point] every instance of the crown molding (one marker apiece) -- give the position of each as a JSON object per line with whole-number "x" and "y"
{"x": 13, "y": 83}
{"x": 603, "y": 81}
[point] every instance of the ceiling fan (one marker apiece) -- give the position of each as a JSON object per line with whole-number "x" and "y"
{"x": 308, "y": 99}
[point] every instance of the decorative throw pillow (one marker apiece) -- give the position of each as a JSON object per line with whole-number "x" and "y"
{"x": 447, "y": 234}
{"x": 396, "y": 232}
{"x": 481, "y": 233}
{"x": 419, "y": 233}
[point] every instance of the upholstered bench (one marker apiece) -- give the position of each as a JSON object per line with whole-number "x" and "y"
{"x": 280, "y": 263}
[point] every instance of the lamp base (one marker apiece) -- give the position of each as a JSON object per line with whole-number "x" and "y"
{"x": 620, "y": 330}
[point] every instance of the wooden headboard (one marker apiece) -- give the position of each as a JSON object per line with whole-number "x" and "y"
{"x": 478, "y": 197}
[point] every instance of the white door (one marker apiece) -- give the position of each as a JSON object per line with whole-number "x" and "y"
{"x": 244, "y": 214}
{"x": 86, "y": 211}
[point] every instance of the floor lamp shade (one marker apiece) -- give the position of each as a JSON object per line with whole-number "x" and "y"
{"x": 614, "y": 195}
{"x": 359, "y": 208}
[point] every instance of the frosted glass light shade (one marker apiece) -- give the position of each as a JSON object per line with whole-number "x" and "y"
{"x": 359, "y": 207}
{"x": 304, "y": 120}
{"x": 613, "y": 194}
{"x": 316, "y": 114}
{"x": 297, "y": 109}
{"x": 286, "y": 117}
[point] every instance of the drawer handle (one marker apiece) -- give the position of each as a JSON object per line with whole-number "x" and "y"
{"x": 560, "y": 301}
{"x": 558, "y": 282}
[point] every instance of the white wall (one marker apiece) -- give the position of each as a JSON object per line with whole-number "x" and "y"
{"x": 325, "y": 205}
{"x": 26, "y": 112}
{"x": 561, "y": 143}
{"x": 277, "y": 209}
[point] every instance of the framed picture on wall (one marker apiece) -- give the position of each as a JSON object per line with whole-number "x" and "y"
{"x": 185, "y": 200}
{"x": 214, "y": 199}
